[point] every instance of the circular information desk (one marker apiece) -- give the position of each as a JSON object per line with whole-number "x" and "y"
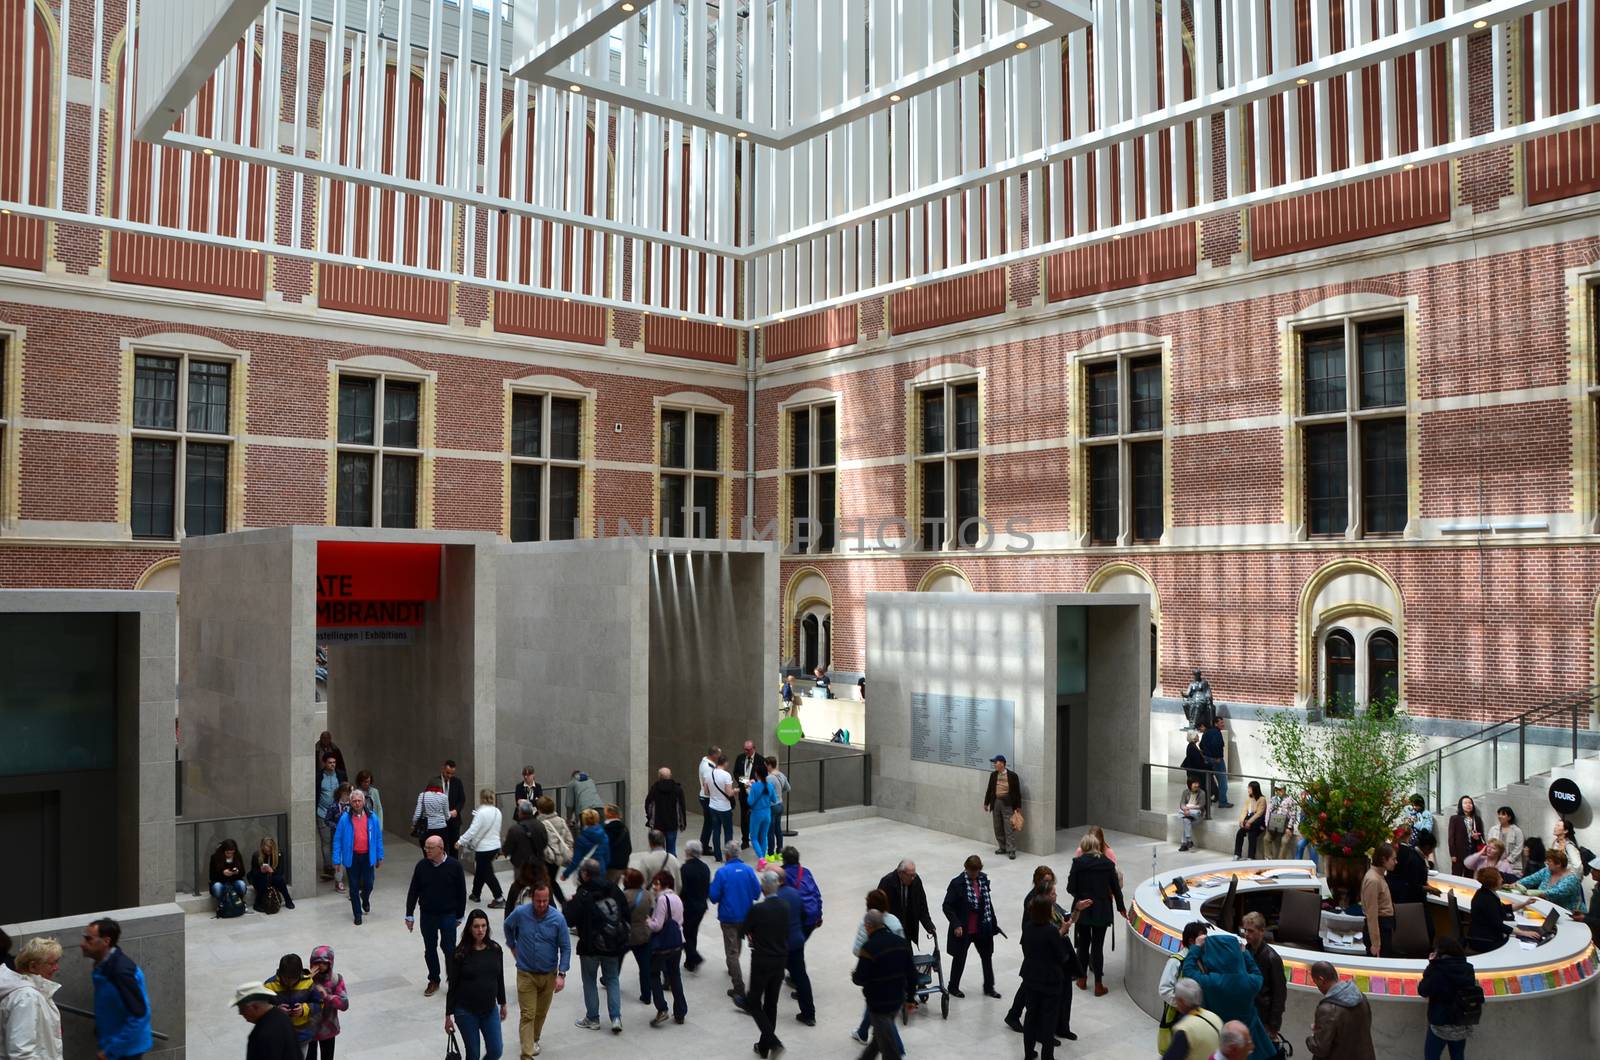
{"x": 1530, "y": 990}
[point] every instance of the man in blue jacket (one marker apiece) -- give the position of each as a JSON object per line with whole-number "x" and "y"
{"x": 358, "y": 846}
{"x": 735, "y": 889}
{"x": 790, "y": 895}
{"x": 121, "y": 1005}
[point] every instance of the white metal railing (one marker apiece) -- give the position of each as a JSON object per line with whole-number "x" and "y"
{"x": 923, "y": 153}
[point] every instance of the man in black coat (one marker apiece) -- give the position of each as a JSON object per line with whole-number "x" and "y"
{"x": 1274, "y": 988}
{"x": 908, "y": 901}
{"x": 525, "y": 841}
{"x": 767, "y": 928}
{"x": 664, "y": 809}
{"x": 886, "y": 975}
{"x": 1408, "y": 880}
{"x": 456, "y": 794}
{"x": 744, "y": 768}
{"x": 272, "y": 1032}
{"x": 1003, "y": 797}
{"x": 696, "y": 895}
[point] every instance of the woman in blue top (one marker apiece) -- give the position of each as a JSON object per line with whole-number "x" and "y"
{"x": 1555, "y": 883}
{"x": 760, "y": 809}
{"x": 591, "y": 842}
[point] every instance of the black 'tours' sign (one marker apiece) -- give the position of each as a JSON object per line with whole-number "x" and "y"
{"x": 1565, "y": 797}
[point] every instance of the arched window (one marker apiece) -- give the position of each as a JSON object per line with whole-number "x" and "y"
{"x": 1339, "y": 670}
{"x": 1383, "y": 665}
{"x": 809, "y": 643}
{"x": 827, "y": 643}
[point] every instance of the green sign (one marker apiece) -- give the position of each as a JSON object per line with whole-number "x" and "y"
{"x": 790, "y": 732}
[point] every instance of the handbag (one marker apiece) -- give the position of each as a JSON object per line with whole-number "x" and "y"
{"x": 271, "y": 901}
{"x": 1016, "y": 820}
{"x": 452, "y": 1048}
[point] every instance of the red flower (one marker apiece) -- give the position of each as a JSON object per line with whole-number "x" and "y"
{"x": 1347, "y": 850}
{"x": 1322, "y": 816}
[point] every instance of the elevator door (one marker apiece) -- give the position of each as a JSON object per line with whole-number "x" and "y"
{"x": 1071, "y": 765}
{"x": 30, "y": 887}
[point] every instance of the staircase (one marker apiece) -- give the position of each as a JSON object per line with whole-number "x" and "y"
{"x": 1513, "y": 763}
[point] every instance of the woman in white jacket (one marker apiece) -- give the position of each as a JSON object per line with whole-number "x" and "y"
{"x": 482, "y": 840}
{"x": 30, "y": 1023}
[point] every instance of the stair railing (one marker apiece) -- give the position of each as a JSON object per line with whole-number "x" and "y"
{"x": 1573, "y": 711}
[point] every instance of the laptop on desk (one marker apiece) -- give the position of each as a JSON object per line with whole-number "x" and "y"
{"x": 1543, "y": 932}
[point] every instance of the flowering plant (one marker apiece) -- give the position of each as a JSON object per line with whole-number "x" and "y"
{"x": 1352, "y": 776}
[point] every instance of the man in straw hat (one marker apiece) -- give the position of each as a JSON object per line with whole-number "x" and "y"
{"x": 272, "y": 1036}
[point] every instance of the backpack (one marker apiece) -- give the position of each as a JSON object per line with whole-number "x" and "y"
{"x": 232, "y": 903}
{"x": 538, "y": 837}
{"x": 1469, "y": 1005}
{"x": 609, "y": 929}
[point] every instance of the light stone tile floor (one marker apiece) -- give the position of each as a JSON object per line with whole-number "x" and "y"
{"x": 389, "y": 1019}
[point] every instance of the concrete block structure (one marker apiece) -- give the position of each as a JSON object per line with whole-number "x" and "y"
{"x": 87, "y": 707}
{"x": 1053, "y": 680}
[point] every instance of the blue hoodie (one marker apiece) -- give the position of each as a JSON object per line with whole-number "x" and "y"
{"x": 121, "y": 1007}
{"x": 1230, "y": 980}
{"x": 805, "y": 881}
{"x": 590, "y": 843}
{"x": 735, "y": 889}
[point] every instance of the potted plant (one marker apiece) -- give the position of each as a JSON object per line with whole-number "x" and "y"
{"x": 1351, "y": 780}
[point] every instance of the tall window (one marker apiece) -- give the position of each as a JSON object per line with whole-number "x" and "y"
{"x": 1383, "y": 665}
{"x": 691, "y": 473}
{"x": 379, "y": 459}
{"x": 947, "y": 466}
{"x": 1339, "y": 670}
{"x": 546, "y": 466}
{"x": 813, "y": 432}
{"x": 1124, "y": 460}
{"x": 181, "y": 440}
{"x": 1354, "y": 451}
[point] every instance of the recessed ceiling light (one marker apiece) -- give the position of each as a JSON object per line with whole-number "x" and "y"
{"x": 255, "y": 250}
{"x": 743, "y": 134}
{"x": 1409, "y": 166}
{"x": 6, "y": 210}
{"x": 1034, "y": 5}
{"x": 1022, "y": 45}
{"x": 894, "y": 97}
{"x": 566, "y": 299}
{"x": 1301, "y": 81}
{"x": 627, "y": 7}
{"x": 684, "y": 317}
{"x": 207, "y": 151}
{"x": 361, "y": 268}
{"x": 1481, "y": 24}
{"x": 574, "y": 88}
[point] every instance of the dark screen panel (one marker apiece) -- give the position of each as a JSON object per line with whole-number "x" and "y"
{"x": 58, "y": 699}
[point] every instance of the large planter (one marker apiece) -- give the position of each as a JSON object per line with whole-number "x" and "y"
{"x": 1344, "y": 873}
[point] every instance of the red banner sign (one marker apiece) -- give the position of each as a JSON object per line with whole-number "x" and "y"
{"x": 373, "y": 584}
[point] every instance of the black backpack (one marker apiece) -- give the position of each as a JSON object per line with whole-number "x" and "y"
{"x": 232, "y": 904}
{"x": 1469, "y": 1005}
{"x": 609, "y": 927}
{"x": 537, "y": 837}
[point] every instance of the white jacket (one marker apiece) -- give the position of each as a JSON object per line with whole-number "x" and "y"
{"x": 30, "y": 1023}
{"x": 483, "y": 835}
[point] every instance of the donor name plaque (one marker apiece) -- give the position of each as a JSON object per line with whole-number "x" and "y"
{"x": 961, "y": 730}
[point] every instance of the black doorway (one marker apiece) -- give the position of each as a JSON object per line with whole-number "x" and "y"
{"x": 1072, "y": 772}
{"x": 30, "y": 888}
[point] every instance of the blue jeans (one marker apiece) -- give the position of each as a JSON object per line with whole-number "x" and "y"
{"x": 358, "y": 877}
{"x": 1219, "y": 776}
{"x": 721, "y": 830}
{"x": 666, "y": 974}
{"x": 610, "y": 971}
{"x": 1433, "y": 1047}
{"x": 216, "y": 889}
{"x": 472, "y": 1024}
{"x": 672, "y": 844}
{"x": 437, "y": 930}
{"x": 775, "y": 844}
{"x": 1305, "y": 849}
{"x": 865, "y": 1029}
{"x": 760, "y": 830}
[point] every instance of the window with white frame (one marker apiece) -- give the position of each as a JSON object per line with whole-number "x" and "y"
{"x": 691, "y": 472}
{"x": 1123, "y": 448}
{"x": 379, "y": 458}
{"x": 1352, "y": 427}
{"x": 182, "y": 439}
{"x": 946, "y": 465}
{"x": 546, "y": 466}
{"x": 813, "y": 449}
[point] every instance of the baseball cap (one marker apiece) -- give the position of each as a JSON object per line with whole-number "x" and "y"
{"x": 998, "y": 758}
{"x": 254, "y": 991}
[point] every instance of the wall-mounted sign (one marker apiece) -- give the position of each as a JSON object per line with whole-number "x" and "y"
{"x": 374, "y": 592}
{"x": 961, "y": 730}
{"x": 1565, "y": 796}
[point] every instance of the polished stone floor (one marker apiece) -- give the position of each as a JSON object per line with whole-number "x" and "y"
{"x": 390, "y": 1019}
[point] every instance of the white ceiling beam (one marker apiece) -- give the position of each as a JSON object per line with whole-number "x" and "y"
{"x": 594, "y": 22}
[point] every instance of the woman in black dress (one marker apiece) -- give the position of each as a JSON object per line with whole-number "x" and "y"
{"x": 477, "y": 985}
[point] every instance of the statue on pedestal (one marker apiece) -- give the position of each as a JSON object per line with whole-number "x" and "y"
{"x": 1198, "y": 708}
